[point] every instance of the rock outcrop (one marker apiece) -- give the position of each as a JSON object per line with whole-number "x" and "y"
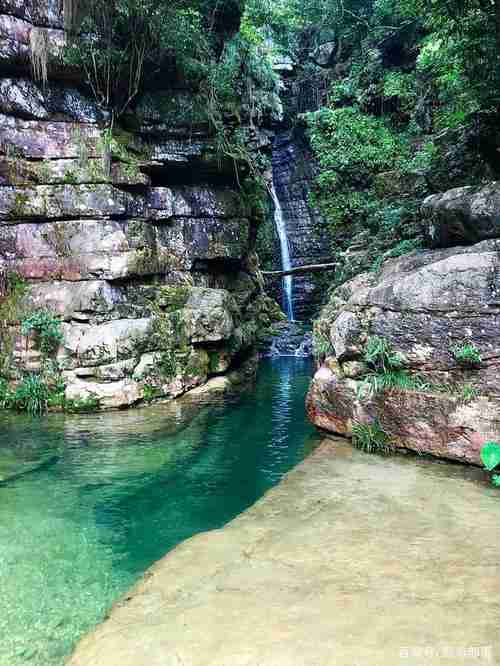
{"x": 425, "y": 305}
{"x": 463, "y": 215}
{"x": 141, "y": 244}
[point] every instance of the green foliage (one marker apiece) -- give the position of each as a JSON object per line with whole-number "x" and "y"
{"x": 387, "y": 370}
{"x": 371, "y": 438}
{"x": 378, "y": 382}
{"x": 168, "y": 363}
{"x": 490, "y": 457}
{"x": 47, "y": 328}
{"x": 322, "y": 346}
{"x": 468, "y": 393}
{"x": 4, "y": 393}
{"x": 150, "y": 392}
{"x": 405, "y": 92}
{"x": 380, "y": 356}
{"x": 466, "y": 354}
{"x": 31, "y": 395}
{"x": 351, "y": 147}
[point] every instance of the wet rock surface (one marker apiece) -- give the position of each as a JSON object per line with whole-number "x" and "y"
{"x": 424, "y": 305}
{"x": 304, "y": 577}
{"x": 290, "y": 338}
{"x": 293, "y": 177}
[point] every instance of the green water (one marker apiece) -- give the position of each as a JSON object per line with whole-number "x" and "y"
{"x": 87, "y": 503}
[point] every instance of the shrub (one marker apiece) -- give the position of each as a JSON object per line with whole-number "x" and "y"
{"x": 31, "y": 395}
{"x": 47, "y": 328}
{"x": 466, "y": 354}
{"x": 370, "y": 438}
{"x": 350, "y": 147}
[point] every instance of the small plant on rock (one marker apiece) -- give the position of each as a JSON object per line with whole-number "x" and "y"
{"x": 468, "y": 393}
{"x": 466, "y": 354}
{"x": 322, "y": 346}
{"x": 380, "y": 355}
{"x": 387, "y": 371}
{"x": 490, "y": 457}
{"x": 47, "y": 328}
{"x": 371, "y": 438}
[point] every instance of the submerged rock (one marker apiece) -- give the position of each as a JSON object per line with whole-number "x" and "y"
{"x": 424, "y": 306}
{"x": 303, "y": 577}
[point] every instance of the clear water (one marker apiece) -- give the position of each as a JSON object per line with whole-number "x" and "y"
{"x": 285, "y": 254}
{"x": 87, "y": 503}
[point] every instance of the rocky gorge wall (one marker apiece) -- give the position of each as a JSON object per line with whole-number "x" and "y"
{"x": 148, "y": 263}
{"x": 428, "y": 307}
{"x": 293, "y": 175}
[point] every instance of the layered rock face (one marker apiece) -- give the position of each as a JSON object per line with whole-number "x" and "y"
{"x": 148, "y": 261}
{"x": 425, "y": 305}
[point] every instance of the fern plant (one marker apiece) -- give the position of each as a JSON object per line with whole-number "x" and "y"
{"x": 378, "y": 382}
{"x": 371, "y": 438}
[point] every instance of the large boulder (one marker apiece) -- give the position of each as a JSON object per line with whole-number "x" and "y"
{"x": 424, "y": 305}
{"x": 463, "y": 215}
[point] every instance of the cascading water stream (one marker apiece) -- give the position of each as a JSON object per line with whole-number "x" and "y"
{"x": 285, "y": 253}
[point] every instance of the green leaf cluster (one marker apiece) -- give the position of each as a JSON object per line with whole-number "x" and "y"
{"x": 371, "y": 438}
{"x": 47, "y": 328}
{"x": 466, "y": 354}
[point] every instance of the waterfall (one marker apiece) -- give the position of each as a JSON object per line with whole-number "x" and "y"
{"x": 285, "y": 253}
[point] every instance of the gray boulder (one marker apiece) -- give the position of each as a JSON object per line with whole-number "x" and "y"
{"x": 463, "y": 215}
{"x": 424, "y": 305}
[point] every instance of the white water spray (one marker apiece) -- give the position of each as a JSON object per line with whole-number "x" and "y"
{"x": 285, "y": 253}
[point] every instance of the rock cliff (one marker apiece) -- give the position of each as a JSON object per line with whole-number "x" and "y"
{"x": 142, "y": 245}
{"x": 428, "y": 306}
